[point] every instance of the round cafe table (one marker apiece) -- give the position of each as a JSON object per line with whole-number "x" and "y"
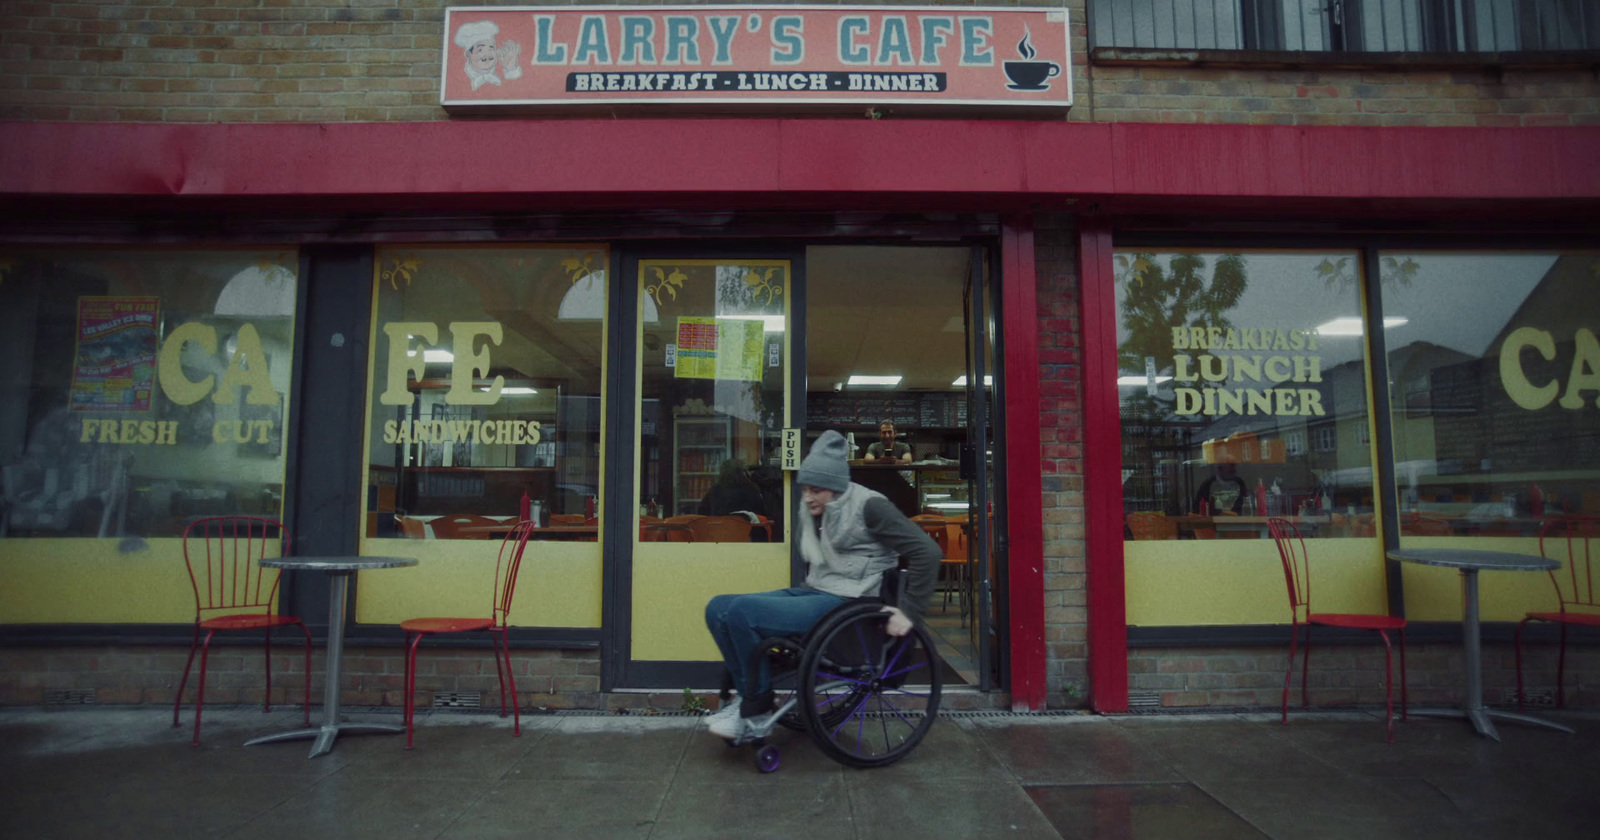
{"x": 1470, "y": 562}
{"x": 339, "y": 570}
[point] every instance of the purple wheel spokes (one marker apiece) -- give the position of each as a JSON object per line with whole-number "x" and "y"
{"x": 897, "y": 714}
{"x": 841, "y": 678}
{"x": 853, "y": 712}
{"x": 896, "y": 657}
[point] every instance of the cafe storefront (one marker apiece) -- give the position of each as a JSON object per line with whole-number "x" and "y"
{"x": 616, "y": 288}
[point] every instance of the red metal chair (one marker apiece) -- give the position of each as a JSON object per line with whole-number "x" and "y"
{"x": 1571, "y": 540}
{"x": 506, "y": 567}
{"x": 1297, "y": 573}
{"x": 233, "y": 593}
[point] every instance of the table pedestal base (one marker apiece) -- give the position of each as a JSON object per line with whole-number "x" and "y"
{"x": 1480, "y": 719}
{"x": 325, "y": 734}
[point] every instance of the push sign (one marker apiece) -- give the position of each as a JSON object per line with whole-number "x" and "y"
{"x": 791, "y": 449}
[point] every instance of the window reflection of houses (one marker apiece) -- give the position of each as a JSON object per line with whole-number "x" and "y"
{"x": 1463, "y": 444}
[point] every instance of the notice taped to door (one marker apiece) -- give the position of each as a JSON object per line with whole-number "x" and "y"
{"x": 709, "y": 348}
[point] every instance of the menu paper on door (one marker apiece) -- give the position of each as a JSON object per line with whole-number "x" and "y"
{"x": 713, "y": 348}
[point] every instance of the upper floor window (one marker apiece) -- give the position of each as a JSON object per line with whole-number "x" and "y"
{"x": 1347, "y": 25}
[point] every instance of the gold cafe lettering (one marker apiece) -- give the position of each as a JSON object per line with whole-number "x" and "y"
{"x": 1289, "y": 366}
{"x": 468, "y": 362}
{"x": 1584, "y": 374}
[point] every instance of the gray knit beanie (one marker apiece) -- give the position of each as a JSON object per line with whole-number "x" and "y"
{"x": 825, "y": 465}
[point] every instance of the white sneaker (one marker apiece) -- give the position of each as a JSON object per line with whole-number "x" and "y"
{"x": 733, "y": 727}
{"x": 730, "y": 708}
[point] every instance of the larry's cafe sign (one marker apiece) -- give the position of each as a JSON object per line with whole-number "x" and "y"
{"x": 508, "y": 57}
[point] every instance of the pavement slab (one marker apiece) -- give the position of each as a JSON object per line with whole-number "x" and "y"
{"x": 127, "y": 773}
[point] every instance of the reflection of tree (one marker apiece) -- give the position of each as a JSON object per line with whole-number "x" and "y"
{"x": 1155, "y": 300}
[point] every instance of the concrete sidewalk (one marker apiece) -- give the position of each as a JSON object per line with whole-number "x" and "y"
{"x": 107, "y": 773}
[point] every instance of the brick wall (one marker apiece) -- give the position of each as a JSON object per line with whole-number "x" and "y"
{"x": 372, "y": 676}
{"x": 1375, "y": 96}
{"x": 1343, "y": 675}
{"x": 1061, "y": 459}
{"x": 375, "y": 60}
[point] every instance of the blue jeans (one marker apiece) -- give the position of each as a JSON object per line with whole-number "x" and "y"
{"x": 739, "y": 622}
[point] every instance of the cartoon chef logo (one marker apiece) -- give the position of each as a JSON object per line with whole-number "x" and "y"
{"x": 1028, "y": 74}
{"x": 477, "y": 41}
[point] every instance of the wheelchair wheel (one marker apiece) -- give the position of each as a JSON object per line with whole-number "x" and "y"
{"x": 868, "y": 698}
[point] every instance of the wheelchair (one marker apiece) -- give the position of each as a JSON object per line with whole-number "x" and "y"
{"x": 864, "y": 697}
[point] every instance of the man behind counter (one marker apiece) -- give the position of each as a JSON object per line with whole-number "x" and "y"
{"x": 897, "y": 450}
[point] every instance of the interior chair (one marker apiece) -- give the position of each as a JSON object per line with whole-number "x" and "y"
{"x": 956, "y": 561}
{"x": 233, "y": 592}
{"x": 934, "y": 525}
{"x": 648, "y": 534}
{"x": 1150, "y": 525}
{"x": 720, "y": 529}
{"x": 506, "y": 566}
{"x": 451, "y": 527}
{"x": 1422, "y": 525}
{"x": 1569, "y": 540}
{"x": 411, "y": 527}
{"x": 677, "y": 534}
{"x": 1297, "y": 573}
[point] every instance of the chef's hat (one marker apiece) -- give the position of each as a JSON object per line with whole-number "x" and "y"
{"x": 475, "y": 33}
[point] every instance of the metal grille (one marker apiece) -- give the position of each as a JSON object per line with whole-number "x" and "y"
{"x": 1535, "y": 697}
{"x": 69, "y": 697}
{"x": 1144, "y": 699}
{"x": 1347, "y": 25}
{"x": 457, "y": 699}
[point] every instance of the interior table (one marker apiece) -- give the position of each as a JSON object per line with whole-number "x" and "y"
{"x": 1470, "y": 562}
{"x": 339, "y": 570}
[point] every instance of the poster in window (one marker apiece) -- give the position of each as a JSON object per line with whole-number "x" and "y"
{"x": 711, "y": 348}
{"x": 114, "y": 367}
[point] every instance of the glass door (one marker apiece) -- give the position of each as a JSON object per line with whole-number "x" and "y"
{"x": 710, "y": 503}
{"x": 979, "y": 464}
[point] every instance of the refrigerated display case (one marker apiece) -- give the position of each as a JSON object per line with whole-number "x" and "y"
{"x": 699, "y": 446}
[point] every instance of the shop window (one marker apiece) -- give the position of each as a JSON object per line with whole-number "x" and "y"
{"x": 1496, "y": 390}
{"x": 1347, "y": 25}
{"x": 484, "y": 407}
{"x": 486, "y": 389}
{"x": 1228, "y": 365}
{"x": 144, "y": 388}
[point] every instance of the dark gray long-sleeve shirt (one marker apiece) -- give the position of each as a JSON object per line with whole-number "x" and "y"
{"x": 900, "y": 535}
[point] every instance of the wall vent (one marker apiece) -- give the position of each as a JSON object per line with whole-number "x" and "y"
{"x": 1535, "y": 697}
{"x": 457, "y": 699}
{"x": 1144, "y": 699}
{"x": 69, "y": 697}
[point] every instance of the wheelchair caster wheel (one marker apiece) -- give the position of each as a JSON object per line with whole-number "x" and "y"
{"x": 767, "y": 759}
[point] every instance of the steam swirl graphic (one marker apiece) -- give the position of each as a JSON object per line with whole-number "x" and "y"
{"x": 1024, "y": 48}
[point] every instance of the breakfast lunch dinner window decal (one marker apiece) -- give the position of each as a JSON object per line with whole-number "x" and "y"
{"x": 543, "y": 57}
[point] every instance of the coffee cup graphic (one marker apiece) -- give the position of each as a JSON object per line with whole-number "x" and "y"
{"x": 1031, "y": 75}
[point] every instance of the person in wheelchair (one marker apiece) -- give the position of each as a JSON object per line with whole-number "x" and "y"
{"x": 849, "y": 536}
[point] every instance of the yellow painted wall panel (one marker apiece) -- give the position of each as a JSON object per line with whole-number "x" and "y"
{"x": 94, "y": 581}
{"x": 673, "y": 582}
{"x": 559, "y": 585}
{"x": 1199, "y": 582}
